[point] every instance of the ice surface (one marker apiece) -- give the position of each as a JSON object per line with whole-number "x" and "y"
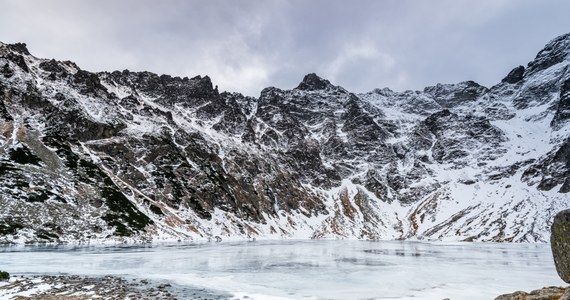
{"x": 309, "y": 269}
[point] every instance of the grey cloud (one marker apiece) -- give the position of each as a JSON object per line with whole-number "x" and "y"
{"x": 246, "y": 45}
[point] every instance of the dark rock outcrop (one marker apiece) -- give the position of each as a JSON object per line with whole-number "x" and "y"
{"x": 19, "y": 61}
{"x": 312, "y": 82}
{"x": 450, "y": 136}
{"x": 514, "y": 76}
{"x": 19, "y": 47}
{"x": 552, "y": 170}
{"x": 452, "y": 95}
{"x": 556, "y": 51}
{"x": 562, "y": 115}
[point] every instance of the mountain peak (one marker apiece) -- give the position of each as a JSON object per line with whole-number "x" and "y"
{"x": 312, "y": 82}
{"x": 515, "y": 75}
{"x": 556, "y": 51}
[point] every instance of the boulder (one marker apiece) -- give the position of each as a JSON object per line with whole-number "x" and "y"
{"x": 560, "y": 243}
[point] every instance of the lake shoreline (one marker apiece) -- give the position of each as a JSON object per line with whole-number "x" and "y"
{"x": 78, "y": 287}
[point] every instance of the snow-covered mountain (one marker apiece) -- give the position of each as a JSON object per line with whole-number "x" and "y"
{"x": 137, "y": 156}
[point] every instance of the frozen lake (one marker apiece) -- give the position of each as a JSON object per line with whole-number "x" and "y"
{"x": 309, "y": 269}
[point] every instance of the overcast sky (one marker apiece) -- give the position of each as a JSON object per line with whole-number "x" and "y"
{"x": 246, "y": 45}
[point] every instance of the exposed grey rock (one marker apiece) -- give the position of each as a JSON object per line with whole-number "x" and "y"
{"x": 560, "y": 243}
{"x": 74, "y": 287}
{"x": 547, "y": 293}
{"x": 513, "y": 296}
{"x": 7, "y": 71}
{"x": 556, "y": 51}
{"x": 19, "y": 47}
{"x": 514, "y": 75}
{"x": 312, "y": 82}
{"x": 562, "y": 115}
{"x": 18, "y": 60}
{"x": 451, "y": 95}
{"x": 553, "y": 169}
{"x": 450, "y": 137}
{"x": 52, "y": 66}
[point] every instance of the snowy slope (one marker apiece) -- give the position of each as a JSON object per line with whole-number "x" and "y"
{"x": 137, "y": 156}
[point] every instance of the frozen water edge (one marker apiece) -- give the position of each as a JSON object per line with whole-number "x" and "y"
{"x": 294, "y": 269}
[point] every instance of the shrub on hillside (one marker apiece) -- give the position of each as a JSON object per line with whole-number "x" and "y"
{"x": 4, "y": 276}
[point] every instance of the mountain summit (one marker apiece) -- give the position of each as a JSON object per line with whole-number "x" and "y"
{"x": 137, "y": 156}
{"x": 312, "y": 82}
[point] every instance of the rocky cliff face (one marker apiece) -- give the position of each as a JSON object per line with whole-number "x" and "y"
{"x": 138, "y": 156}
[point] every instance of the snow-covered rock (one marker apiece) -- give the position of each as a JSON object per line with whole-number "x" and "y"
{"x": 137, "y": 156}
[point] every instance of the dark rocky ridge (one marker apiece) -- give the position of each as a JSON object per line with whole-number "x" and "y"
{"x": 136, "y": 154}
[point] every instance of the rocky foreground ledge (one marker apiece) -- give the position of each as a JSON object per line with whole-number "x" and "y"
{"x": 73, "y": 287}
{"x": 547, "y": 293}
